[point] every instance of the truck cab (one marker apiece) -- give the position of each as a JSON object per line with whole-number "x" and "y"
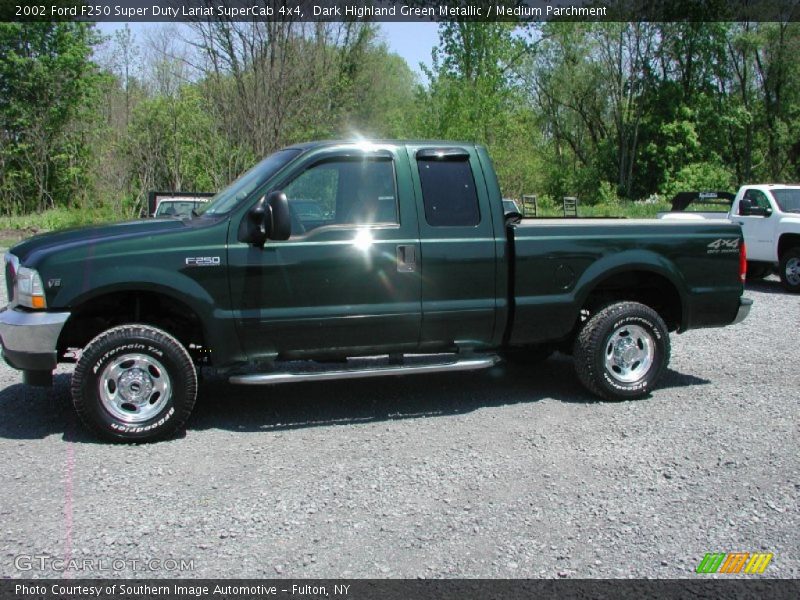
{"x": 333, "y": 283}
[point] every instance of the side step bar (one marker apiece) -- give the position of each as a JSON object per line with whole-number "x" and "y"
{"x": 467, "y": 364}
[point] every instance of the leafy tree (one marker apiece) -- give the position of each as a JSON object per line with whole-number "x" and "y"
{"x": 48, "y": 91}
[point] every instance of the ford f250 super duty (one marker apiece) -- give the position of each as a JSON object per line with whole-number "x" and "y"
{"x": 407, "y": 259}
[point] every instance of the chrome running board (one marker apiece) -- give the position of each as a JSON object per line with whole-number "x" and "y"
{"x": 465, "y": 364}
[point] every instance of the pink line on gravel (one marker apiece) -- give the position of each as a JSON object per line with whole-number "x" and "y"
{"x": 69, "y": 470}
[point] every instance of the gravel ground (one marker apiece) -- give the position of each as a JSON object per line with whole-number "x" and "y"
{"x": 516, "y": 472}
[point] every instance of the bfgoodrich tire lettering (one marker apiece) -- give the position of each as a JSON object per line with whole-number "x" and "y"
{"x": 622, "y": 351}
{"x": 134, "y": 383}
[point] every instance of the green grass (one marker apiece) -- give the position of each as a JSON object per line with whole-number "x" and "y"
{"x": 18, "y": 227}
{"x": 57, "y": 218}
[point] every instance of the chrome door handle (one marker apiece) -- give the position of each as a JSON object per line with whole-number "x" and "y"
{"x": 406, "y": 258}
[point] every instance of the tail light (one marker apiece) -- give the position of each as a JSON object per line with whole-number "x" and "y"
{"x": 742, "y": 261}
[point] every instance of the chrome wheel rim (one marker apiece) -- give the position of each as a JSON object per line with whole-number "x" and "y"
{"x": 793, "y": 271}
{"x": 134, "y": 387}
{"x": 629, "y": 353}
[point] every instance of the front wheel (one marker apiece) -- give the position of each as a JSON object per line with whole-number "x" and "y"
{"x": 622, "y": 351}
{"x": 790, "y": 270}
{"x": 134, "y": 383}
{"x": 757, "y": 271}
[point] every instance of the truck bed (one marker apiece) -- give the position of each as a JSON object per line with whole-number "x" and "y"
{"x": 556, "y": 262}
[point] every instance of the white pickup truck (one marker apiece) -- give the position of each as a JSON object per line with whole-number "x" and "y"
{"x": 770, "y": 218}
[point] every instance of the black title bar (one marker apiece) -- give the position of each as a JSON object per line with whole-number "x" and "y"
{"x": 399, "y": 10}
{"x": 395, "y": 589}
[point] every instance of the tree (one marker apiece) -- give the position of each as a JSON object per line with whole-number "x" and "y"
{"x": 474, "y": 94}
{"x": 48, "y": 91}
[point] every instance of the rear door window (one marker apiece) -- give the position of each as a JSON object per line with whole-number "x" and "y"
{"x": 448, "y": 192}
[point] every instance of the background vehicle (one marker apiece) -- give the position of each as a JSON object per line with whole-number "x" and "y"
{"x": 178, "y": 208}
{"x": 172, "y": 200}
{"x": 699, "y": 206}
{"x": 415, "y": 258}
{"x": 510, "y": 206}
{"x": 769, "y": 215}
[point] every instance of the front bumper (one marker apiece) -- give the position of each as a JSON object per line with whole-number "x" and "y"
{"x": 29, "y": 339}
{"x": 744, "y": 309}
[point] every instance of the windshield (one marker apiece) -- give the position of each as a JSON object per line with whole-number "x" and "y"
{"x": 788, "y": 199}
{"x": 240, "y": 189}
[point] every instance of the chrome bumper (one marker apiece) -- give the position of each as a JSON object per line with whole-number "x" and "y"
{"x": 29, "y": 339}
{"x": 744, "y": 309}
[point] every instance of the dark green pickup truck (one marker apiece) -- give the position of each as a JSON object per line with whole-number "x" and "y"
{"x": 327, "y": 251}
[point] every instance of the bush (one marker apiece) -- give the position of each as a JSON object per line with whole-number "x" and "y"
{"x": 607, "y": 194}
{"x": 703, "y": 176}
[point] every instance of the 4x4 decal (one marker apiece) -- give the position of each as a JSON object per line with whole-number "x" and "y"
{"x": 723, "y": 246}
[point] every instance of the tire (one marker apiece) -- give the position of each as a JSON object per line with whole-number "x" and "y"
{"x": 154, "y": 370}
{"x": 757, "y": 271}
{"x": 528, "y": 355}
{"x": 616, "y": 369}
{"x": 790, "y": 270}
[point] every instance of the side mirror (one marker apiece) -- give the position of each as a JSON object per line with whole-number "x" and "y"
{"x": 748, "y": 209}
{"x": 745, "y": 206}
{"x": 253, "y": 228}
{"x": 280, "y": 221}
{"x": 268, "y": 219}
{"x": 513, "y": 217}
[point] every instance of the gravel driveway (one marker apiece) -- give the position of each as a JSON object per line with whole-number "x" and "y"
{"x": 515, "y": 472}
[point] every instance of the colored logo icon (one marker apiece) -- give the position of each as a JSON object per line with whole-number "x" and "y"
{"x": 734, "y": 562}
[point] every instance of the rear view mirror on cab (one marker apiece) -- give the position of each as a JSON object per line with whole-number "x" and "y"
{"x": 269, "y": 218}
{"x": 747, "y": 208}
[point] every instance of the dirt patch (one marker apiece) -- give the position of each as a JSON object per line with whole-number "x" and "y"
{"x": 9, "y": 237}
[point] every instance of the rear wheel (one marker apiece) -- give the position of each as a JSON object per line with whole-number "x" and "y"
{"x": 134, "y": 383}
{"x": 622, "y": 351}
{"x": 790, "y": 270}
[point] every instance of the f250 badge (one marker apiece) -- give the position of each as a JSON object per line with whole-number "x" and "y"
{"x": 723, "y": 246}
{"x": 203, "y": 261}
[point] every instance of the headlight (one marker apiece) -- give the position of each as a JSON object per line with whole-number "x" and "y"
{"x": 30, "y": 291}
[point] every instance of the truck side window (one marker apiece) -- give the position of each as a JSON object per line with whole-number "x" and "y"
{"x": 448, "y": 192}
{"x": 757, "y": 197}
{"x": 343, "y": 192}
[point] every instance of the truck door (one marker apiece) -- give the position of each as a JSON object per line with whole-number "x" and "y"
{"x": 458, "y": 248}
{"x": 347, "y": 280}
{"x": 759, "y": 230}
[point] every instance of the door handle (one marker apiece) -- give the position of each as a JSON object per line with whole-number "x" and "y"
{"x": 406, "y": 258}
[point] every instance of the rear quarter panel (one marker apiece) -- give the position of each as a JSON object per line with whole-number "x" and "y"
{"x": 559, "y": 263}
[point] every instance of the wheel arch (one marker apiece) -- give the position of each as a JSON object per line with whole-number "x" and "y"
{"x": 653, "y": 282}
{"x": 157, "y": 306}
{"x": 786, "y": 241}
